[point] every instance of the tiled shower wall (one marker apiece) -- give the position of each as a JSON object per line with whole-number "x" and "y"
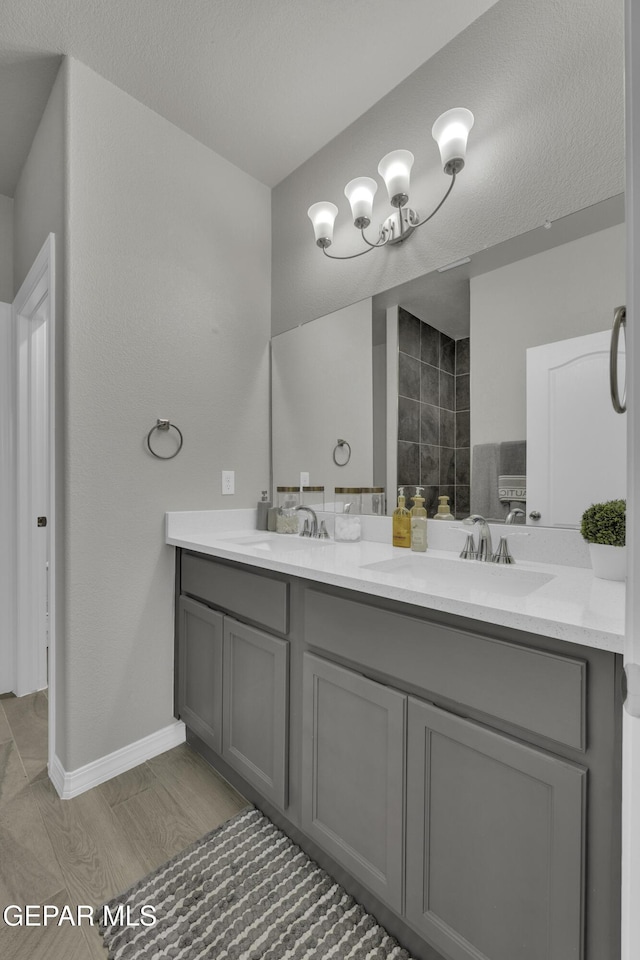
{"x": 433, "y": 414}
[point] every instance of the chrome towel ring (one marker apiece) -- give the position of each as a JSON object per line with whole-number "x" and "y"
{"x": 340, "y": 446}
{"x": 165, "y": 425}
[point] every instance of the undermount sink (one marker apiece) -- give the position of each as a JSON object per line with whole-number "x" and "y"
{"x": 279, "y": 543}
{"x": 468, "y": 577}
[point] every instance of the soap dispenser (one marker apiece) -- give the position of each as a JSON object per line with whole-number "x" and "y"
{"x": 401, "y": 523}
{"x": 418, "y": 523}
{"x": 444, "y": 510}
{"x": 262, "y": 517}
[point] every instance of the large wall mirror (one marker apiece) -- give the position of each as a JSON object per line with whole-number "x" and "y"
{"x": 485, "y": 382}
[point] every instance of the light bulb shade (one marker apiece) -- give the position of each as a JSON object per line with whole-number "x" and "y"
{"x": 451, "y": 132}
{"x": 395, "y": 170}
{"x": 360, "y": 193}
{"x": 323, "y": 216}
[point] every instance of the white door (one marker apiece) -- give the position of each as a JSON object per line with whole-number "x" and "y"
{"x": 33, "y": 317}
{"x": 572, "y": 430}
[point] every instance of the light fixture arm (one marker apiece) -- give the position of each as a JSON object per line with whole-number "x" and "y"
{"x": 382, "y": 240}
{"x": 435, "y": 210}
{"x": 384, "y": 234}
{"x": 349, "y": 256}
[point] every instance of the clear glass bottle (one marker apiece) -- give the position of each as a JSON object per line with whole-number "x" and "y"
{"x": 347, "y": 523}
{"x": 347, "y": 499}
{"x": 372, "y": 501}
{"x": 313, "y": 497}
{"x": 287, "y": 519}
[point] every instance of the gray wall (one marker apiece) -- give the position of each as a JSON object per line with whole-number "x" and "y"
{"x": 566, "y": 292}
{"x": 6, "y": 249}
{"x": 321, "y": 391}
{"x": 545, "y": 82}
{"x": 168, "y": 317}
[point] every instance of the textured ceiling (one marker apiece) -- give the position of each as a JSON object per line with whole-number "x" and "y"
{"x": 265, "y": 83}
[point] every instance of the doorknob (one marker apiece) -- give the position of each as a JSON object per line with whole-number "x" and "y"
{"x": 535, "y": 515}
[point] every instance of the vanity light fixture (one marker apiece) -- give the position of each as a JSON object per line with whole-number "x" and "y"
{"x": 450, "y": 131}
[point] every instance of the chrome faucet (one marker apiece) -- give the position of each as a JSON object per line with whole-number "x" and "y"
{"x": 485, "y": 549}
{"x": 516, "y": 512}
{"x": 306, "y": 532}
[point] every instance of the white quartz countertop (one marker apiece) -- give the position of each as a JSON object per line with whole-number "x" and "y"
{"x": 558, "y": 601}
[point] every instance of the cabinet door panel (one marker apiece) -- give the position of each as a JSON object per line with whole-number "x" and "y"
{"x": 200, "y": 671}
{"x": 256, "y": 677}
{"x": 353, "y": 766}
{"x": 495, "y": 833}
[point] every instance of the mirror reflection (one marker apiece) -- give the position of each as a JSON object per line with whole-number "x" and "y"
{"x": 485, "y": 382}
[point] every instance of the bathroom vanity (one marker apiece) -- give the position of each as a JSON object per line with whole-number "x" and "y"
{"x": 460, "y": 777}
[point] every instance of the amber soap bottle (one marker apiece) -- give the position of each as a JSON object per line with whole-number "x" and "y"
{"x": 401, "y": 523}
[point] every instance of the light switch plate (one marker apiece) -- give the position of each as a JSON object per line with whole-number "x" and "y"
{"x": 304, "y": 479}
{"x": 228, "y": 482}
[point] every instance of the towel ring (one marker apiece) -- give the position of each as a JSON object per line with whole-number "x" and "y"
{"x": 340, "y": 444}
{"x": 165, "y": 425}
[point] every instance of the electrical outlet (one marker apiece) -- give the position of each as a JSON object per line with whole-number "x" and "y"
{"x": 228, "y": 482}
{"x": 304, "y": 479}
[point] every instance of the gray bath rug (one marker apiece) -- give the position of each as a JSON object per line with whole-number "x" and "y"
{"x": 244, "y": 892}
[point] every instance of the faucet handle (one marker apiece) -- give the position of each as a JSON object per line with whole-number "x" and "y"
{"x": 323, "y": 533}
{"x": 469, "y": 551}
{"x": 503, "y": 554}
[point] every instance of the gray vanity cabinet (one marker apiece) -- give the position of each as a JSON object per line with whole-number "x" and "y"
{"x": 353, "y": 773}
{"x": 199, "y": 693}
{"x": 462, "y": 780}
{"x": 255, "y": 697}
{"x": 495, "y": 836}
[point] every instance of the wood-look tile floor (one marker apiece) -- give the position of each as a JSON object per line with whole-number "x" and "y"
{"x": 86, "y": 850}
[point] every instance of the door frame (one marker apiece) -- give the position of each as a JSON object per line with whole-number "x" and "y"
{"x": 631, "y": 716}
{"x": 35, "y": 354}
{"x": 7, "y": 500}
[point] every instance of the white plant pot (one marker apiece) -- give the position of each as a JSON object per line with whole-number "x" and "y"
{"x": 609, "y": 563}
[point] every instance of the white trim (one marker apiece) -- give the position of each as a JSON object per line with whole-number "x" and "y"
{"x": 71, "y": 783}
{"x": 7, "y": 501}
{"x": 34, "y": 458}
{"x": 41, "y": 276}
{"x": 392, "y": 408}
{"x": 630, "y": 920}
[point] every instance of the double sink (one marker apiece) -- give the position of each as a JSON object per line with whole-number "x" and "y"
{"x": 467, "y": 579}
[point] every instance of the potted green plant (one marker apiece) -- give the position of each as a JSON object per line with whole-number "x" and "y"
{"x": 604, "y": 528}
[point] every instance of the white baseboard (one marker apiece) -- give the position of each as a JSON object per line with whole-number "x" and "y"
{"x": 71, "y": 783}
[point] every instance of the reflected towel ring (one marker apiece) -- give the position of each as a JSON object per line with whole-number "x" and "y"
{"x": 340, "y": 444}
{"x": 165, "y": 425}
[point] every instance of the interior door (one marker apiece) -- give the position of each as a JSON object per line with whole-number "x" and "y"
{"x": 32, "y": 310}
{"x": 568, "y": 387}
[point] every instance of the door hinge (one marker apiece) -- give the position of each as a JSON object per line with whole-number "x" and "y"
{"x": 41, "y": 522}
